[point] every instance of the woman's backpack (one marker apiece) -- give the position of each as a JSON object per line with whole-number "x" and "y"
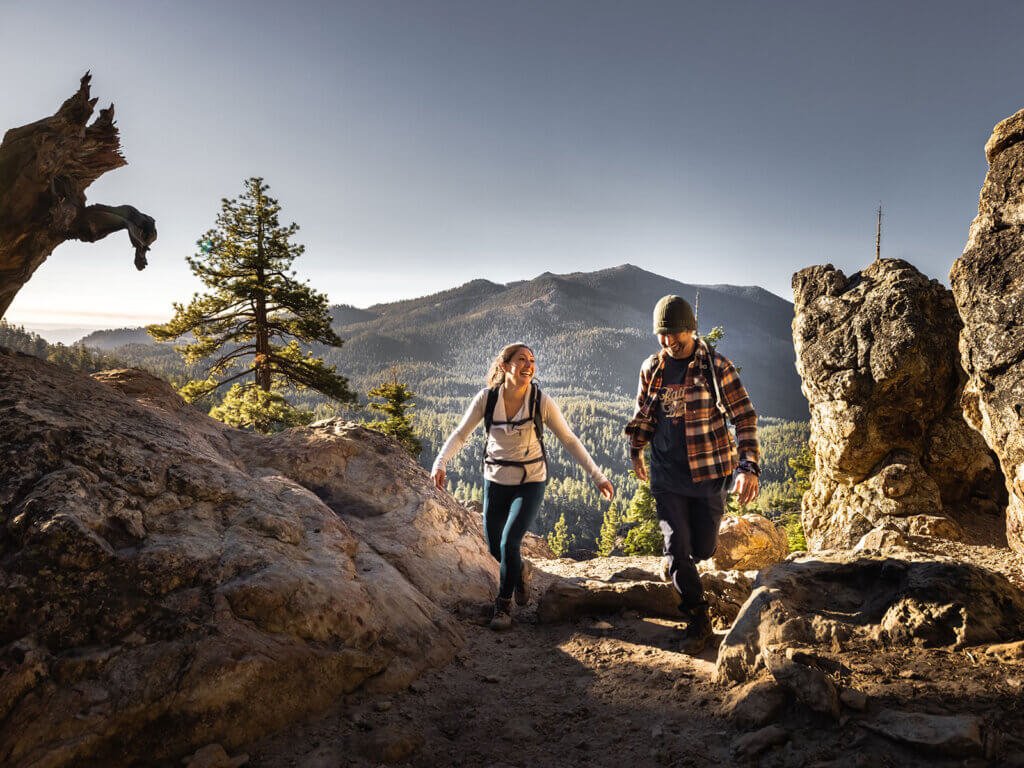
{"x": 535, "y": 415}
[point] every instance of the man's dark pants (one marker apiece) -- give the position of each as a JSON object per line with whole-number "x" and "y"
{"x": 689, "y": 526}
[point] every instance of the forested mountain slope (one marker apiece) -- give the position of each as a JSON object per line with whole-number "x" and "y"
{"x": 590, "y": 331}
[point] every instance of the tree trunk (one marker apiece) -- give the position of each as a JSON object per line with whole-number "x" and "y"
{"x": 262, "y": 333}
{"x": 45, "y": 168}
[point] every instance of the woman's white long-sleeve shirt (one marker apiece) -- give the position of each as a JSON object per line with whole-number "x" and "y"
{"x": 508, "y": 443}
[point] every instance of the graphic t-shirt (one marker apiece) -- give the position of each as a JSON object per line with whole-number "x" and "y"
{"x": 670, "y": 469}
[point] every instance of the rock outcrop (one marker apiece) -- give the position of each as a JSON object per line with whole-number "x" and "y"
{"x": 988, "y": 284}
{"x": 167, "y": 582}
{"x": 845, "y": 601}
{"x": 877, "y": 355}
{"x": 569, "y": 589}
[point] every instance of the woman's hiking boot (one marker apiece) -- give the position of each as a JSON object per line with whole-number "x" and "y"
{"x": 522, "y": 593}
{"x": 502, "y": 616}
{"x": 698, "y": 631}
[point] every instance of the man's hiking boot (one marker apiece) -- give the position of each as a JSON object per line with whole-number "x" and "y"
{"x": 522, "y": 593}
{"x": 698, "y": 631}
{"x": 502, "y": 617}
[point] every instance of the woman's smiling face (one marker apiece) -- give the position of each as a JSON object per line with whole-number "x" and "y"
{"x": 521, "y": 368}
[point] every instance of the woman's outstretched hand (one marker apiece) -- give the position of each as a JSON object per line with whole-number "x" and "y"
{"x": 438, "y": 477}
{"x": 607, "y": 491}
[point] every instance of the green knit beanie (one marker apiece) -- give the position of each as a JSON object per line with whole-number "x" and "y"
{"x": 673, "y": 314}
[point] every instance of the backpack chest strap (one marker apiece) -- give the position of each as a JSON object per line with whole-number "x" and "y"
{"x": 536, "y": 416}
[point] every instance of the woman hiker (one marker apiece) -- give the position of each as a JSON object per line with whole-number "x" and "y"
{"x": 514, "y": 412}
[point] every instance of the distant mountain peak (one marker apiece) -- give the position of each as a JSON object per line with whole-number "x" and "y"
{"x": 481, "y": 282}
{"x": 627, "y": 268}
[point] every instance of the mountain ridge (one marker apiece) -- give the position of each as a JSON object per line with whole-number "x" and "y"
{"x": 590, "y": 331}
{"x": 590, "y": 326}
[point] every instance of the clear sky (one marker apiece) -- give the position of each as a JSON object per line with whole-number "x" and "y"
{"x": 421, "y": 144}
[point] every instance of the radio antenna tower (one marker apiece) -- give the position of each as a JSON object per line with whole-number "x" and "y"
{"x": 878, "y": 235}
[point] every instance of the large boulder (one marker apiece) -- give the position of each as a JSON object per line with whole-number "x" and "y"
{"x": 167, "y": 582}
{"x": 748, "y": 543}
{"x": 847, "y": 601}
{"x": 876, "y": 353}
{"x": 988, "y": 284}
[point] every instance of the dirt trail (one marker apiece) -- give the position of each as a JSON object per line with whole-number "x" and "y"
{"x": 612, "y": 691}
{"x": 536, "y": 695}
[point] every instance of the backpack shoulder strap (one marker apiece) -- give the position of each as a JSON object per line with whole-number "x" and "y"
{"x": 654, "y": 365}
{"x": 714, "y": 378}
{"x": 492, "y": 402}
{"x": 537, "y": 411}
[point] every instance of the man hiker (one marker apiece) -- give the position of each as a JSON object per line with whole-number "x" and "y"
{"x": 686, "y": 392}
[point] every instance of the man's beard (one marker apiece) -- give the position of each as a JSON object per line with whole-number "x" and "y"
{"x": 675, "y": 350}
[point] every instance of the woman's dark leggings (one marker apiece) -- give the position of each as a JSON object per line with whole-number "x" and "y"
{"x": 509, "y": 510}
{"x": 689, "y": 527}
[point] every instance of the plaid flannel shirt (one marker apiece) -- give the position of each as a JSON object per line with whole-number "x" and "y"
{"x": 709, "y": 445}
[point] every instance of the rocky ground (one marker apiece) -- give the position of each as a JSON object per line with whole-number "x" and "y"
{"x": 987, "y": 549}
{"x": 169, "y": 585}
{"x": 604, "y": 689}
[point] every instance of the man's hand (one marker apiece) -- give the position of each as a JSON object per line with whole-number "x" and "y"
{"x": 438, "y": 477}
{"x": 747, "y": 486}
{"x": 640, "y": 467}
{"x": 607, "y": 491}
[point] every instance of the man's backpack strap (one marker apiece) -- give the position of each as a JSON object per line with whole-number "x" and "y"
{"x": 714, "y": 379}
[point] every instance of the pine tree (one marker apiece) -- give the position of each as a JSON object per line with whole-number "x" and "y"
{"x": 645, "y": 537}
{"x": 559, "y": 539}
{"x": 255, "y": 314}
{"x": 397, "y": 397}
{"x": 802, "y": 465}
{"x": 20, "y": 340}
{"x": 714, "y": 336}
{"x": 609, "y": 530}
{"x": 732, "y": 505}
{"x": 252, "y": 408}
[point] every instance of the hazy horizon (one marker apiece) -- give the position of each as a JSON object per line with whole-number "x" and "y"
{"x": 64, "y": 332}
{"x": 423, "y": 145}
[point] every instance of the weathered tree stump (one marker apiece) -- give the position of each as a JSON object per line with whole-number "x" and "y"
{"x": 45, "y": 168}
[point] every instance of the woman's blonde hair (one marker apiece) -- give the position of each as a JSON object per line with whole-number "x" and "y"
{"x": 497, "y": 373}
